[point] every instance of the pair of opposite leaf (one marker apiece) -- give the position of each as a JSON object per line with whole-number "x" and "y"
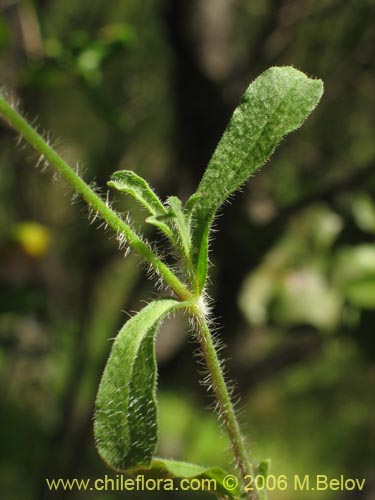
{"x": 126, "y": 417}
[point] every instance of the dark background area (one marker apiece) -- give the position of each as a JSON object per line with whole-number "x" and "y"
{"x": 150, "y": 86}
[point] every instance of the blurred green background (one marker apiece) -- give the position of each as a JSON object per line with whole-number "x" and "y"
{"x": 149, "y": 86}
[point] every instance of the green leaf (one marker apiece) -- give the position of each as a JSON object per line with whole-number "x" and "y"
{"x": 126, "y": 410}
{"x": 189, "y": 471}
{"x": 182, "y": 227}
{"x": 126, "y": 424}
{"x": 276, "y": 103}
{"x": 202, "y": 259}
{"x": 189, "y": 205}
{"x": 128, "y": 182}
{"x": 263, "y": 469}
{"x": 199, "y": 255}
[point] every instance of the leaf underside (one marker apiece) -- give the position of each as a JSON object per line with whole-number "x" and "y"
{"x": 129, "y": 182}
{"x": 275, "y": 104}
{"x": 126, "y": 410}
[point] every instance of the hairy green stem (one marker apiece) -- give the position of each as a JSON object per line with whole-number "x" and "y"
{"x": 223, "y": 398}
{"x": 91, "y": 198}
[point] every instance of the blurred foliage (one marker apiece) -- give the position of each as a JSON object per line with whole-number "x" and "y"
{"x": 308, "y": 280}
{"x": 149, "y": 86}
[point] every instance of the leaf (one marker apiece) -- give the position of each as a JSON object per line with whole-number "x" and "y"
{"x": 276, "y": 103}
{"x": 186, "y": 470}
{"x": 263, "y": 469}
{"x": 126, "y": 424}
{"x": 189, "y": 205}
{"x": 202, "y": 259}
{"x": 126, "y": 410}
{"x": 129, "y": 182}
{"x": 183, "y": 230}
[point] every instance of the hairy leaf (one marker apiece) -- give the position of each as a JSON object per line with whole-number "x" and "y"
{"x": 186, "y": 470}
{"x": 181, "y": 225}
{"x": 127, "y": 181}
{"x": 126, "y": 410}
{"x": 202, "y": 258}
{"x": 276, "y": 103}
{"x": 263, "y": 469}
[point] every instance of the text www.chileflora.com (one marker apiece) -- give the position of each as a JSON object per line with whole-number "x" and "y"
{"x": 138, "y": 483}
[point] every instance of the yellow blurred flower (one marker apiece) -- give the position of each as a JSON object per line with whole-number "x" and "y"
{"x": 34, "y": 238}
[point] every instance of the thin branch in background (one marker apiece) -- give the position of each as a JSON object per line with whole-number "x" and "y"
{"x": 30, "y": 30}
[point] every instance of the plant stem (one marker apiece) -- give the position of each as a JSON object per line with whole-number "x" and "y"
{"x": 223, "y": 398}
{"x": 91, "y": 198}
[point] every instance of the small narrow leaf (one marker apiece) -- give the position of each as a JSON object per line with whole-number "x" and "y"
{"x": 276, "y": 103}
{"x": 126, "y": 410}
{"x": 263, "y": 469}
{"x": 202, "y": 259}
{"x": 129, "y": 182}
{"x": 189, "y": 205}
{"x": 186, "y": 470}
{"x": 182, "y": 227}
